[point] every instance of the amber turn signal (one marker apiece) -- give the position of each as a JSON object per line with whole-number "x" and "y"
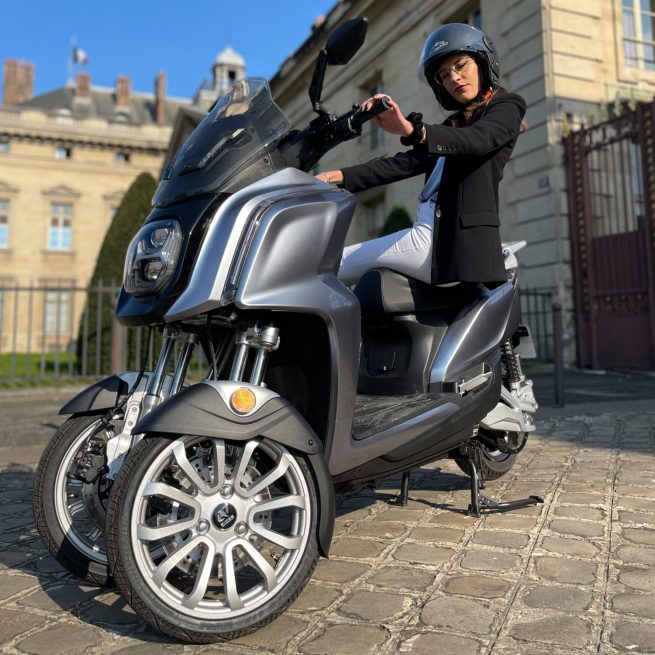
{"x": 243, "y": 400}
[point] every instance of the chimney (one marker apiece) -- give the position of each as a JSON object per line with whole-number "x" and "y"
{"x": 123, "y": 88}
{"x": 18, "y": 81}
{"x": 160, "y": 98}
{"x": 83, "y": 86}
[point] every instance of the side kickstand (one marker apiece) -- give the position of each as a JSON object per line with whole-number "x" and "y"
{"x": 403, "y": 496}
{"x": 479, "y": 502}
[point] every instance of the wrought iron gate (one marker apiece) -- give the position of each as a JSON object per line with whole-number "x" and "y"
{"x": 611, "y": 189}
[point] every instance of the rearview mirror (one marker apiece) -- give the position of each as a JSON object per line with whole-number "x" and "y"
{"x": 345, "y": 41}
{"x": 342, "y": 44}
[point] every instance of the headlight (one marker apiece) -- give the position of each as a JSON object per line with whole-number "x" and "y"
{"x": 152, "y": 257}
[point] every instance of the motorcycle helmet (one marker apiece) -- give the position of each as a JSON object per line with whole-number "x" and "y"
{"x": 453, "y": 38}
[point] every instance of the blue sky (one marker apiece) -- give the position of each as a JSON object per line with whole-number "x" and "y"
{"x": 138, "y": 38}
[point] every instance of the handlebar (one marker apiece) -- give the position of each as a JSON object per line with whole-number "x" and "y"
{"x": 378, "y": 107}
{"x": 304, "y": 149}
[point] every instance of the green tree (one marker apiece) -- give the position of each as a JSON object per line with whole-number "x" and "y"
{"x": 398, "y": 219}
{"x": 108, "y": 273}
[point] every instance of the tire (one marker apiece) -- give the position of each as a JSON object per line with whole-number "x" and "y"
{"x": 226, "y": 568}
{"x": 68, "y": 513}
{"x": 494, "y": 464}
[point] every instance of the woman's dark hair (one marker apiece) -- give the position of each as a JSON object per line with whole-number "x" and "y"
{"x": 467, "y": 114}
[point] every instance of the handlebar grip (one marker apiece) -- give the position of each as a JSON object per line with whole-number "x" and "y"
{"x": 378, "y": 107}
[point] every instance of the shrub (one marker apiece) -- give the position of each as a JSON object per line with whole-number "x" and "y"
{"x": 108, "y": 273}
{"x": 398, "y": 219}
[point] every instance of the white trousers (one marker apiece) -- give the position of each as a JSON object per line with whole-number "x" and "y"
{"x": 408, "y": 252}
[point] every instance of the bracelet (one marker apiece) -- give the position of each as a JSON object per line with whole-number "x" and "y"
{"x": 416, "y": 137}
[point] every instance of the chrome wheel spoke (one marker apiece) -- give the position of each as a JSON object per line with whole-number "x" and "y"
{"x": 260, "y": 563}
{"x": 167, "y": 565}
{"x": 147, "y": 533}
{"x": 170, "y": 493}
{"x": 94, "y": 534}
{"x": 218, "y": 460}
{"x": 277, "y": 503}
{"x": 202, "y": 579}
{"x": 240, "y": 475}
{"x": 288, "y": 543}
{"x": 269, "y": 478}
{"x": 192, "y": 475}
{"x": 232, "y": 598}
{"x": 76, "y": 507}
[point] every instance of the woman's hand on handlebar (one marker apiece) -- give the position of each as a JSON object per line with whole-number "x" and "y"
{"x": 391, "y": 121}
{"x": 330, "y": 177}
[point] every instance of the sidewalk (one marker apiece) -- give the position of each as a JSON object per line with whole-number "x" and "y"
{"x": 575, "y": 575}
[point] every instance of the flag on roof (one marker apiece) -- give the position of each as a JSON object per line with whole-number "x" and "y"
{"x": 79, "y": 56}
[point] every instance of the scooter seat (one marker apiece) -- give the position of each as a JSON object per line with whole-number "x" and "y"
{"x": 383, "y": 291}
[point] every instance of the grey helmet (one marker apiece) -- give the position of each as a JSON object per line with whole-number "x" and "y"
{"x": 450, "y": 39}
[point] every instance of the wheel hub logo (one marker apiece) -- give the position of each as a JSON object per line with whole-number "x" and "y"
{"x": 224, "y": 516}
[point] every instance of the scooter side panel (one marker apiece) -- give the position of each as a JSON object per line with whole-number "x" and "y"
{"x": 222, "y": 239}
{"x": 291, "y": 267}
{"x": 473, "y": 335}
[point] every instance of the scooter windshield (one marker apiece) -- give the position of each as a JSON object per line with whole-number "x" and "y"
{"x": 240, "y": 125}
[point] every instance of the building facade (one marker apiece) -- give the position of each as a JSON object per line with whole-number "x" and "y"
{"x": 66, "y": 159}
{"x": 572, "y": 62}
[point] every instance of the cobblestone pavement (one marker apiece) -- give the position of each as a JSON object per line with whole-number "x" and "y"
{"x": 575, "y": 575}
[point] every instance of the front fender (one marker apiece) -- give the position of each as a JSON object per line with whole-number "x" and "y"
{"x": 203, "y": 409}
{"x": 102, "y": 395}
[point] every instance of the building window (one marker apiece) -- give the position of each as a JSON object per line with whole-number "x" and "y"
{"x": 56, "y": 312}
{"x": 472, "y": 17}
{"x": 639, "y": 33}
{"x": 4, "y": 146}
{"x": 122, "y": 157}
{"x": 63, "y": 152}
{"x": 61, "y": 220}
{"x": 4, "y": 223}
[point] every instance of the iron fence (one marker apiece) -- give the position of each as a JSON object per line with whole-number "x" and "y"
{"x": 65, "y": 331}
{"x": 537, "y": 313}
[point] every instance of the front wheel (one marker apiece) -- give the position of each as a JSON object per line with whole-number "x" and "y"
{"x": 69, "y": 513}
{"x": 208, "y": 539}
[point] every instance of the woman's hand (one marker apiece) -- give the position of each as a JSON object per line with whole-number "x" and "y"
{"x": 330, "y": 177}
{"x": 392, "y": 120}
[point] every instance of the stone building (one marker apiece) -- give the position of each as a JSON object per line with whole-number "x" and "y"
{"x": 66, "y": 159}
{"x": 570, "y": 61}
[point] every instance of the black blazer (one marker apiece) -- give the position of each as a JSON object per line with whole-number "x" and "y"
{"x": 467, "y": 239}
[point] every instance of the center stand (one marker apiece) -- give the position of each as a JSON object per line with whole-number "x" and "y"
{"x": 479, "y": 502}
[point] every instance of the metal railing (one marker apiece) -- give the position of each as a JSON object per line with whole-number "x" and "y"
{"x": 537, "y": 314}
{"x": 65, "y": 331}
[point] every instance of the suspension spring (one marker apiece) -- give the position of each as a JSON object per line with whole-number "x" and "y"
{"x": 510, "y": 362}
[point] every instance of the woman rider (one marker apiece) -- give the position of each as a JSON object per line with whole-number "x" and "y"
{"x": 456, "y": 234}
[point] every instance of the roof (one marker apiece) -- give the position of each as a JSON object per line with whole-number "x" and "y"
{"x": 101, "y": 104}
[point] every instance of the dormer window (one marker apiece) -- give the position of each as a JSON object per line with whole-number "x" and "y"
{"x": 63, "y": 152}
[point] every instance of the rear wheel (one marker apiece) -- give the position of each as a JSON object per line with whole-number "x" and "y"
{"x": 69, "y": 513}
{"x": 209, "y": 539}
{"x": 494, "y": 462}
